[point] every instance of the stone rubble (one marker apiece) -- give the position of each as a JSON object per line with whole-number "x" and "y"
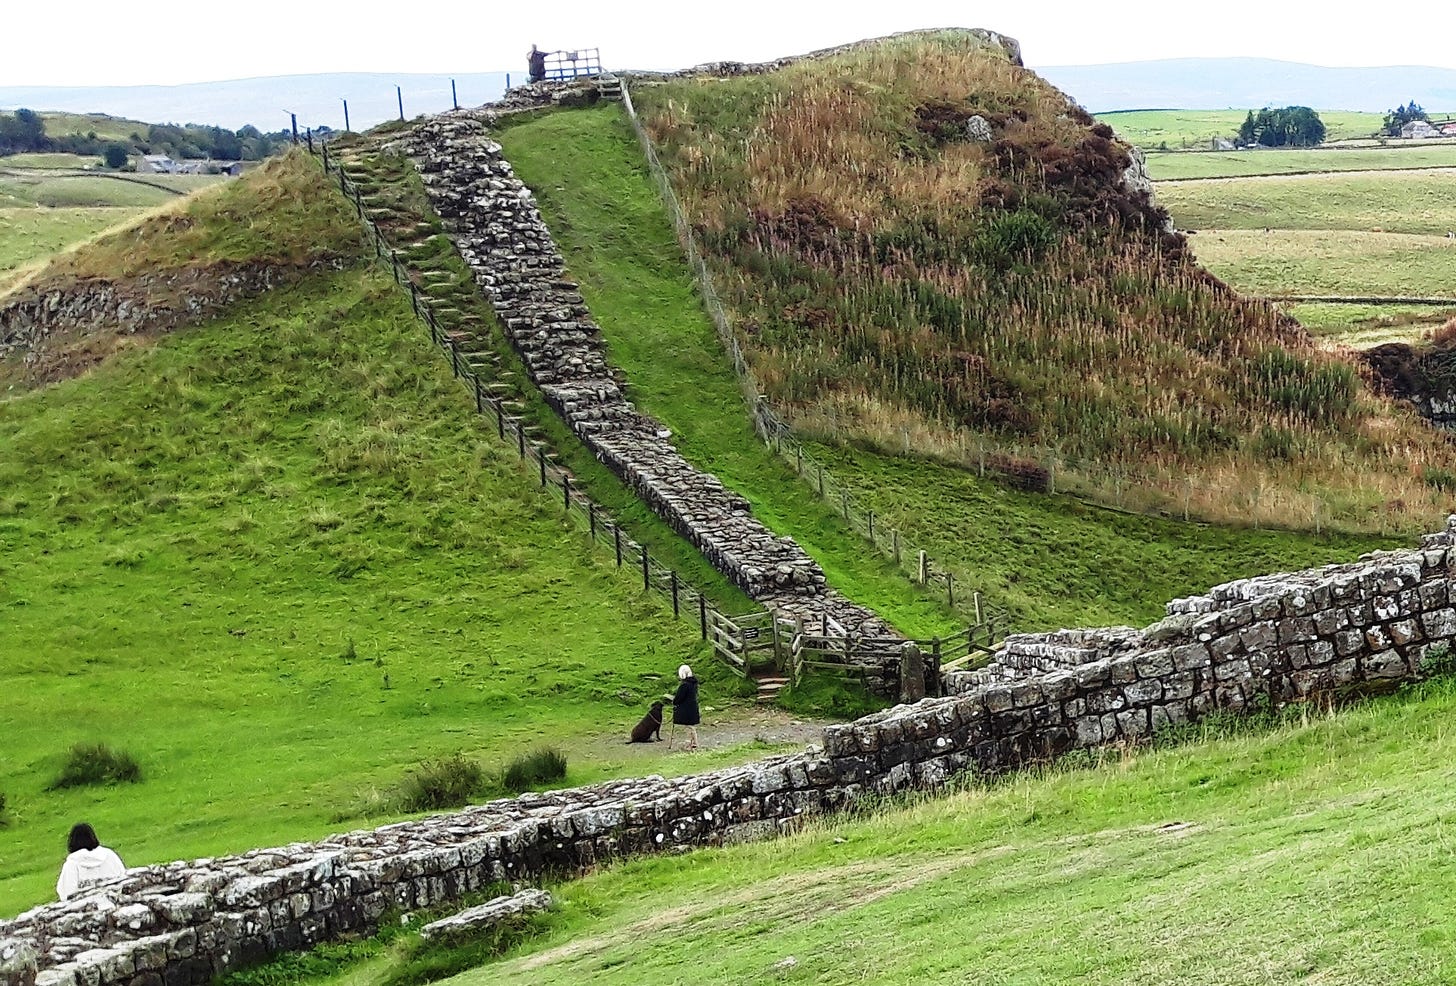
{"x": 1270, "y": 640}
{"x": 488, "y": 915}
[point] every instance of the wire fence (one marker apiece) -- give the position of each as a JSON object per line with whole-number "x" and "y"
{"x": 1132, "y": 489}
{"x": 686, "y": 599}
{"x": 958, "y": 590}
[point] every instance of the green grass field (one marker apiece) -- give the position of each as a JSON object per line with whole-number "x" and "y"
{"x": 39, "y": 188}
{"x": 49, "y": 161}
{"x": 1318, "y": 850}
{"x": 105, "y": 127}
{"x": 28, "y": 235}
{"x": 1181, "y": 129}
{"x": 1054, "y": 561}
{"x": 1369, "y": 325}
{"x": 280, "y": 560}
{"x": 586, "y": 170}
{"x": 1330, "y": 262}
{"x": 1232, "y": 164}
{"x": 1397, "y": 202}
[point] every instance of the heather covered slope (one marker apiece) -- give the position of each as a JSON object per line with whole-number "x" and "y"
{"x": 930, "y": 248}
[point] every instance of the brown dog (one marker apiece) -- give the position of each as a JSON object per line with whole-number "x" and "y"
{"x": 650, "y": 728}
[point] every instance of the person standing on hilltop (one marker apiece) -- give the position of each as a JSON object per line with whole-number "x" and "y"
{"x": 536, "y": 59}
{"x": 685, "y": 705}
{"x": 88, "y": 864}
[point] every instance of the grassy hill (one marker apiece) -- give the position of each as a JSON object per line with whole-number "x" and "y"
{"x": 279, "y": 560}
{"x": 1048, "y": 561}
{"x": 903, "y": 285}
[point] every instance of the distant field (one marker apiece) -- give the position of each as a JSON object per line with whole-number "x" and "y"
{"x": 1363, "y": 326}
{"x": 1230, "y": 164}
{"x": 1179, "y": 129}
{"x": 30, "y": 234}
{"x": 105, "y": 127}
{"x": 49, "y": 161}
{"x": 36, "y": 188}
{"x": 1330, "y": 262}
{"x": 1396, "y": 202}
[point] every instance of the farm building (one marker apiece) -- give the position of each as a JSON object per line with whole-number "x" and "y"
{"x": 1417, "y": 129}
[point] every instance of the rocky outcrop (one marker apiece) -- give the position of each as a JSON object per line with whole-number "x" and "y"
{"x": 61, "y": 329}
{"x": 500, "y": 234}
{"x": 1253, "y": 642}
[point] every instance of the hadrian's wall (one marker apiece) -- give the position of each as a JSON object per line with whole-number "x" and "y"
{"x": 1280, "y": 637}
{"x": 500, "y": 234}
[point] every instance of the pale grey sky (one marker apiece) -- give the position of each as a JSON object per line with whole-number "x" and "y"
{"x": 91, "y": 42}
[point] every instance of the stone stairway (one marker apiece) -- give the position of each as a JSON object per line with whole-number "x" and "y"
{"x": 493, "y": 221}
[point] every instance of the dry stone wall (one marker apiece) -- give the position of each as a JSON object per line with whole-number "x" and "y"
{"x": 499, "y": 232}
{"x": 1275, "y": 639}
{"x": 36, "y": 322}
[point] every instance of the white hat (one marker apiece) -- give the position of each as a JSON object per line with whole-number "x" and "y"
{"x": 684, "y": 672}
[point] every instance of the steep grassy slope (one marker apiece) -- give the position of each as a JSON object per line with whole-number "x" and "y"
{"x": 903, "y": 284}
{"x": 1050, "y": 562}
{"x": 280, "y": 560}
{"x": 586, "y": 170}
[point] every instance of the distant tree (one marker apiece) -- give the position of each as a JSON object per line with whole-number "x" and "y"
{"x": 1401, "y": 115}
{"x": 115, "y": 156}
{"x": 1249, "y": 130}
{"x": 1291, "y": 126}
{"x": 22, "y": 131}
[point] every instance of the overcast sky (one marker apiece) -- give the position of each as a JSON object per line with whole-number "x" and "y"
{"x": 91, "y": 43}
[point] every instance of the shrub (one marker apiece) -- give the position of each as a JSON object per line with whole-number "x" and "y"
{"x": 446, "y": 783}
{"x": 90, "y": 764}
{"x": 1439, "y": 662}
{"x": 530, "y": 769}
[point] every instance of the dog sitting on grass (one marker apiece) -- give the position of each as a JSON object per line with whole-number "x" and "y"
{"x": 650, "y": 728}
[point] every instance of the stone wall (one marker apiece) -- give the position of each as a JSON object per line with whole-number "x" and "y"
{"x": 42, "y": 324}
{"x": 500, "y": 234}
{"x": 1275, "y": 639}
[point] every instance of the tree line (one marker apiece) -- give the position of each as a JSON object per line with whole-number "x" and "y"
{"x": 1289, "y": 126}
{"x": 25, "y": 131}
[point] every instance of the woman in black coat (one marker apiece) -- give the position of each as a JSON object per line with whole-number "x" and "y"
{"x": 685, "y": 705}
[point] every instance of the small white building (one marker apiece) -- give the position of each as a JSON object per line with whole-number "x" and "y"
{"x": 1417, "y": 129}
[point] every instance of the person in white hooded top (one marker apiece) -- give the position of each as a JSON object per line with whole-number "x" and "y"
{"x": 88, "y": 864}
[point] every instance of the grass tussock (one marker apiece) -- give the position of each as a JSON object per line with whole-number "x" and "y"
{"x": 904, "y": 286}
{"x": 531, "y": 769}
{"x": 449, "y": 782}
{"x": 96, "y": 764}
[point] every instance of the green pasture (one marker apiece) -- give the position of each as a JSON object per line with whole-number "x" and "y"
{"x": 30, "y": 234}
{"x": 1330, "y": 262}
{"x": 1276, "y": 161}
{"x": 1055, "y": 561}
{"x": 1369, "y": 325}
{"x": 59, "y": 190}
{"x": 49, "y": 161}
{"x": 1392, "y": 202}
{"x": 1185, "y": 129}
{"x": 105, "y": 127}
{"x": 280, "y": 560}
{"x": 587, "y": 172}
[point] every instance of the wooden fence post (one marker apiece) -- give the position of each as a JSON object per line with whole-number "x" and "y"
{"x": 895, "y": 542}
{"x": 703, "y": 614}
{"x": 591, "y": 518}
{"x": 454, "y": 358}
{"x": 541, "y": 459}
{"x": 521, "y": 437}
{"x": 617, "y": 541}
{"x": 672, "y": 579}
{"x": 949, "y": 590}
{"x": 646, "y": 571}
{"x": 976, "y": 598}
{"x": 500, "y": 417}
{"x": 924, "y": 569}
{"x": 566, "y": 493}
